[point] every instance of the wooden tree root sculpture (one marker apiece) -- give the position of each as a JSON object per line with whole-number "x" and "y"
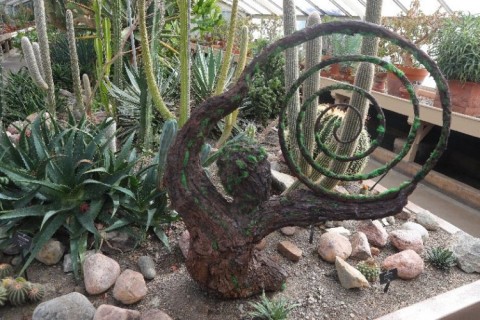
{"x": 223, "y": 233}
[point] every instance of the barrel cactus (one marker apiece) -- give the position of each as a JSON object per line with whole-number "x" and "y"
{"x": 17, "y": 292}
{"x": 36, "y": 292}
{"x": 3, "y": 295}
{"x": 6, "y": 270}
{"x": 370, "y": 269}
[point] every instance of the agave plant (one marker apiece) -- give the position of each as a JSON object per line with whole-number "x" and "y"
{"x": 205, "y": 71}
{"x": 62, "y": 178}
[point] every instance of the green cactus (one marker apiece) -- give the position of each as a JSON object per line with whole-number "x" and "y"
{"x": 33, "y": 64}
{"x": 36, "y": 292}
{"x": 72, "y": 48}
{"x": 117, "y": 15}
{"x": 2, "y": 88}
{"x": 41, "y": 25}
{"x": 17, "y": 292}
{"x": 7, "y": 282}
{"x": 364, "y": 80}
{"x": 370, "y": 269}
{"x": 184, "y": 7}
{"x": 6, "y": 270}
{"x": 291, "y": 75}
{"x": 169, "y": 132}
{"x": 110, "y": 135}
{"x": 3, "y": 295}
{"x": 313, "y": 55}
{"x": 147, "y": 61}
{"x": 87, "y": 90}
{"x": 231, "y": 119}
{"x": 38, "y": 58}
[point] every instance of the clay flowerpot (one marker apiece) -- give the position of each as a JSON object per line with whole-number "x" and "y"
{"x": 414, "y": 75}
{"x": 380, "y": 81}
{"x": 465, "y": 97}
{"x": 334, "y": 69}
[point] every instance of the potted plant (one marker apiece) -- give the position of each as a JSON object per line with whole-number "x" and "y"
{"x": 456, "y": 50}
{"x": 341, "y": 45}
{"x": 417, "y": 27}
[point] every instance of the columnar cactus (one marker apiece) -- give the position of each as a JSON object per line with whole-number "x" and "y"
{"x": 169, "y": 132}
{"x": 87, "y": 91}
{"x": 72, "y": 48}
{"x": 184, "y": 7}
{"x": 291, "y": 75}
{"x": 33, "y": 64}
{"x": 313, "y": 56}
{"x": 110, "y": 135}
{"x": 147, "y": 62}
{"x": 231, "y": 119}
{"x": 364, "y": 80}
{"x": 41, "y": 25}
{"x": 2, "y": 88}
{"x": 117, "y": 15}
{"x": 38, "y": 58}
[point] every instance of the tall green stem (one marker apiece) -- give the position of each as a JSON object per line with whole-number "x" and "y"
{"x": 147, "y": 62}
{"x": 72, "y": 48}
{"x": 117, "y": 42}
{"x": 184, "y": 7}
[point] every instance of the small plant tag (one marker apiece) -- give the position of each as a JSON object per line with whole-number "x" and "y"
{"x": 387, "y": 277}
{"x": 22, "y": 240}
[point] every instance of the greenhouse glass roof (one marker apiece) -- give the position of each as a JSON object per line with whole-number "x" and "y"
{"x": 350, "y": 8}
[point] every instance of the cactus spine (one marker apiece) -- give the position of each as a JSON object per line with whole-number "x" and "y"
{"x": 313, "y": 55}
{"x": 364, "y": 80}
{"x": 41, "y": 25}
{"x": 147, "y": 61}
{"x": 184, "y": 7}
{"x": 72, "y": 48}
{"x": 291, "y": 75}
{"x": 231, "y": 119}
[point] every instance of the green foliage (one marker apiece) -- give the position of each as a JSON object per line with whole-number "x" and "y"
{"x": 369, "y": 269}
{"x": 62, "y": 178}
{"x": 441, "y": 258}
{"x": 271, "y": 310}
{"x": 22, "y": 96}
{"x": 206, "y": 15}
{"x": 205, "y": 72}
{"x": 455, "y": 48}
{"x": 266, "y": 89}
{"x": 59, "y": 54}
{"x": 6, "y": 270}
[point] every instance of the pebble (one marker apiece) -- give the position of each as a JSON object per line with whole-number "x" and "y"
{"x": 51, "y": 252}
{"x": 375, "y": 232}
{"x": 261, "y": 245}
{"x": 360, "y": 246}
{"x": 99, "y": 273}
{"x": 409, "y": 264}
{"x": 428, "y": 220}
{"x": 130, "y": 287}
{"x": 404, "y": 215}
{"x": 407, "y": 239}
{"x": 467, "y": 250}
{"x": 67, "y": 261}
{"x": 16, "y": 261}
{"x": 340, "y": 230}
{"x": 288, "y": 231}
{"x": 331, "y": 245}
{"x": 349, "y": 276}
{"x": 147, "y": 267}
{"x": 289, "y": 251}
{"x": 108, "y": 312}
{"x": 410, "y": 225}
{"x": 12, "y": 250}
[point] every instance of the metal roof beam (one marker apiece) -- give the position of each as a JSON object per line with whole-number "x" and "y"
{"x": 315, "y": 6}
{"x": 445, "y": 6}
{"x": 398, "y": 3}
{"x": 341, "y": 8}
{"x": 243, "y": 4}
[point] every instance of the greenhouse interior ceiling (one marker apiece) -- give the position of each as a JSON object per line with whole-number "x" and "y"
{"x": 350, "y": 8}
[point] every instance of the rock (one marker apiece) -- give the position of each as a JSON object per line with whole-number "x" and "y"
{"x": 375, "y": 251}
{"x": 108, "y": 312}
{"x": 332, "y": 244}
{"x": 384, "y": 222}
{"x": 407, "y": 239}
{"x": 360, "y": 246}
{"x": 261, "y": 245}
{"x": 409, "y": 225}
{"x": 375, "y": 232}
{"x": 99, "y": 273}
{"x": 289, "y": 251}
{"x": 67, "y": 261}
{"x": 349, "y": 276}
{"x": 184, "y": 243}
{"x": 130, "y": 287}
{"x": 147, "y": 267}
{"x": 340, "y": 230}
{"x": 428, "y": 220}
{"x": 408, "y": 263}
{"x": 120, "y": 240}
{"x": 12, "y": 250}
{"x": 404, "y": 215}
{"x": 467, "y": 250}
{"x": 73, "y": 306}
{"x": 16, "y": 261}
{"x": 288, "y": 231}
{"x": 341, "y": 190}
{"x": 333, "y": 224}
{"x": 391, "y": 219}
{"x": 51, "y": 252}
{"x": 155, "y": 314}
{"x": 283, "y": 181}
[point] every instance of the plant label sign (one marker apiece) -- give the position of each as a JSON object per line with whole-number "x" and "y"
{"x": 387, "y": 277}
{"x": 22, "y": 240}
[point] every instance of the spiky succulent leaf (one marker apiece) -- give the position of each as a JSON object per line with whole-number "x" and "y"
{"x": 441, "y": 258}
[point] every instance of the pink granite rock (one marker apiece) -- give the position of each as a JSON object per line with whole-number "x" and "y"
{"x": 288, "y": 231}
{"x": 108, "y": 312}
{"x": 408, "y": 263}
{"x": 130, "y": 287}
{"x": 289, "y": 251}
{"x": 375, "y": 232}
{"x": 99, "y": 273}
{"x": 407, "y": 239}
{"x": 332, "y": 244}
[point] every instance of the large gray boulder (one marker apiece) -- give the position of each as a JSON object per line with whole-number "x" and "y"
{"x": 73, "y": 306}
{"x": 467, "y": 250}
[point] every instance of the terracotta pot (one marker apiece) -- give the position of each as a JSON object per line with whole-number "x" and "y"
{"x": 465, "y": 97}
{"x": 334, "y": 70}
{"x": 414, "y": 75}
{"x": 380, "y": 81}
